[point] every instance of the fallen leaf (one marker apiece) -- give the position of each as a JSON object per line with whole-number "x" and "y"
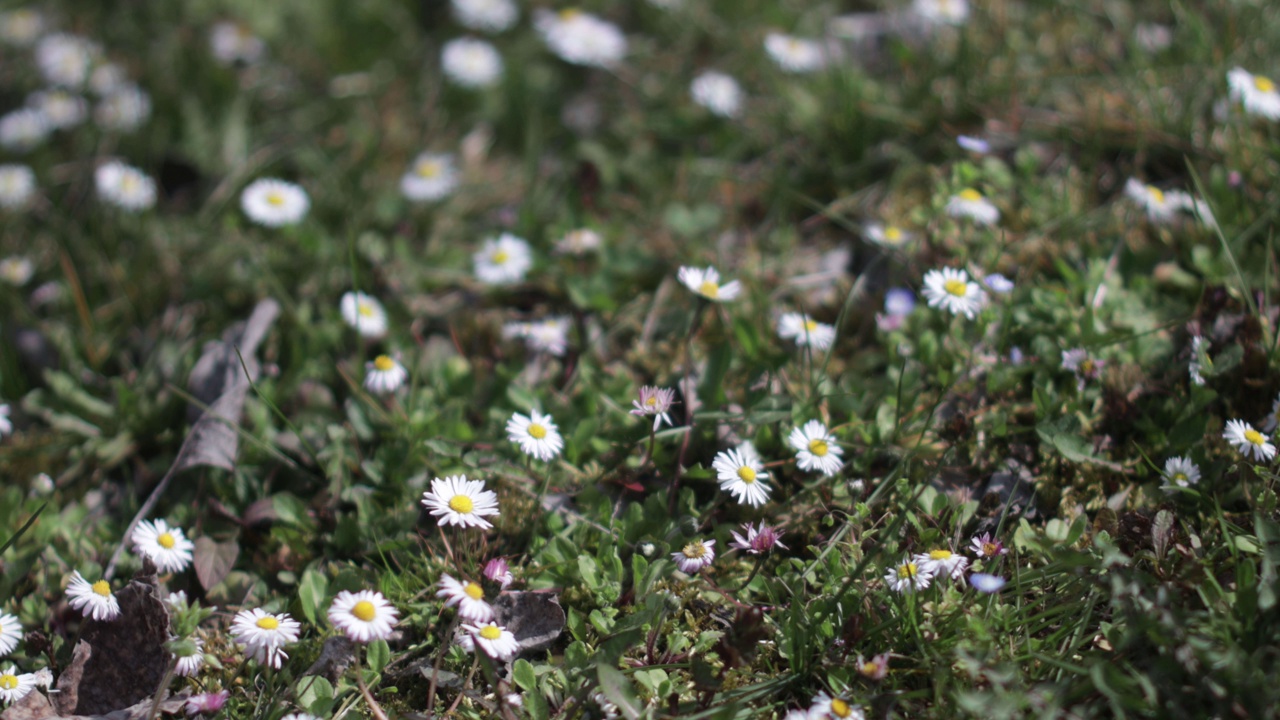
{"x": 535, "y": 618}
{"x": 213, "y": 560}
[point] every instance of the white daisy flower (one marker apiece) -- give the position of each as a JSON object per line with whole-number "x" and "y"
{"x": 717, "y": 92}
{"x": 1256, "y": 92}
{"x": 93, "y": 600}
{"x": 494, "y": 640}
{"x": 21, "y": 27}
{"x": 6, "y": 425}
{"x": 65, "y": 59}
{"x": 536, "y": 434}
{"x": 23, "y": 129}
{"x": 942, "y": 12}
{"x": 106, "y": 78}
{"x": 503, "y": 260}
{"x": 232, "y": 42}
{"x": 707, "y": 284}
{"x": 951, "y": 290}
{"x": 695, "y": 556}
{"x": 986, "y": 583}
{"x": 1180, "y": 471}
{"x": 486, "y": 15}
{"x": 655, "y": 401}
{"x": 17, "y": 186}
{"x": 826, "y": 707}
{"x": 998, "y": 284}
{"x": 549, "y": 335}
{"x": 264, "y": 635}
{"x": 125, "y": 186}
{"x": 300, "y": 716}
{"x": 795, "y": 54}
{"x": 907, "y": 576}
{"x": 10, "y": 633}
{"x": 986, "y": 546}
{"x": 166, "y": 546}
{"x": 743, "y": 476}
{"x": 124, "y": 109}
{"x": 189, "y": 665}
{"x": 1085, "y": 367}
{"x": 468, "y": 597}
{"x": 1161, "y": 206}
{"x": 432, "y": 176}
{"x": 579, "y": 242}
{"x": 1273, "y": 419}
{"x": 1249, "y": 442}
{"x": 581, "y": 38}
{"x": 1152, "y": 37}
{"x": 970, "y": 203}
{"x": 888, "y": 235}
{"x": 62, "y": 110}
{"x": 462, "y": 502}
{"x": 364, "y": 616}
{"x": 364, "y": 313}
{"x": 15, "y": 685}
{"x": 384, "y": 375}
{"x": 805, "y": 331}
{"x": 943, "y": 563}
{"x": 471, "y": 63}
{"x": 816, "y": 449}
{"x": 1194, "y": 367}
{"x": 274, "y": 203}
{"x": 973, "y": 144}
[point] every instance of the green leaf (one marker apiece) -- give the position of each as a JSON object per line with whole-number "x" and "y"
{"x": 315, "y": 694}
{"x": 522, "y": 673}
{"x": 213, "y": 560}
{"x": 313, "y": 590}
{"x": 379, "y": 655}
{"x": 618, "y": 690}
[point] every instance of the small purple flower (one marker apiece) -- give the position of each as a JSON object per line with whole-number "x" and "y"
{"x": 758, "y": 541}
{"x": 973, "y": 144}
{"x": 498, "y": 571}
{"x": 655, "y": 401}
{"x": 998, "y": 283}
{"x": 898, "y": 304}
{"x": 986, "y": 546}
{"x": 982, "y": 582}
{"x": 206, "y": 703}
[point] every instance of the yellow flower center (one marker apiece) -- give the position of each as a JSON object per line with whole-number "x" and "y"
{"x": 819, "y": 447}
{"x": 1263, "y": 84}
{"x": 940, "y": 554}
{"x": 870, "y": 668}
{"x": 569, "y": 14}
{"x": 840, "y": 708}
{"x": 956, "y": 287}
{"x": 1157, "y": 195}
{"x": 490, "y": 632}
{"x": 989, "y": 549}
{"x": 102, "y": 588}
{"x": 166, "y": 541}
{"x": 892, "y": 234}
{"x": 747, "y": 475}
{"x": 709, "y": 289}
{"x": 537, "y": 432}
{"x": 970, "y": 195}
{"x": 1254, "y": 437}
{"x": 364, "y": 309}
{"x": 268, "y": 623}
{"x": 810, "y": 326}
{"x": 1087, "y": 367}
{"x": 428, "y": 169}
{"x": 651, "y": 401}
{"x": 473, "y": 591}
{"x": 275, "y": 199}
{"x": 8, "y": 681}
{"x": 499, "y": 257}
{"x": 695, "y": 550}
{"x": 129, "y": 183}
{"x": 906, "y": 570}
{"x": 461, "y": 504}
{"x": 383, "y": 363}
{"x": 1180, "y": 477}
{"x": 364, "y": 610}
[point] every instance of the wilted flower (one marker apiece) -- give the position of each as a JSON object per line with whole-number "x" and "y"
{"x": 497, "y": 570}
{"x": 986, "y": 546}
{"x": 206, "y": 703}
{"x": 758, "y": 541}
{"x": 655, "y": 401}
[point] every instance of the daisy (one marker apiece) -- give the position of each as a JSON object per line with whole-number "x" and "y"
{"x": 1180, "y": 471}
{"x": 503, "y": 260}
{"x": 364, "y": 313}
{"x": 166, "y": 546}
{"x": 1194, "y": 367}
{"x": 64, "y": 60}
{"x": 1085, "y": 368}
{"x": 432, "y": 176}
{"x": 496, "y": 641}
{"x": 62, "y": 110}
{"x": 21, "y": 27}
{"x": 985, "y": 583}
{"x": 826, "y": 707}
{"x": 23, "y": 129}
{"x": 264, "y": 635}
{"x": 742, "y": 475}
{"x": 1249, "y": 442}
{"x": 462, "y": 502}
{"x": 998, "y": 284}
{"x": 874, "y": 669}
{"x": 887, "y": 235}
{"x": 758, "y": 541}
{"x": 274, "y": 203}
{"x": 14, "y": 685}
{"x": 471, "y": 63}
{"x": 549, "y": 335}
{"x": 943, "y": 563}
{"x": 951, "y": 290}
{"x": 805, "y": 331}
{"x": 707, "y": 284}
{"x": 17, "y": 186}
{"x": 10, "y": 633}
{"x": 6, "y": 425}
{"x": 942, "y": 12}
{"x": 124, "y": 109}
{"x": 908, "y": 576}
{"x": 986, "y": 546}
{"x": 300, "y": 716}
{"x": 970, "y": 203}
{"x": 92, "y": 600}
{"x": 206, "y": 703}
{"x": 973, "y": 144}
{"x": 124, "y": 186}
{"x": 655, "y": 401}
{"x": 384, "y": 375}
{"x": 485, "y": 15}
{"x": 189, "y": 665}
{"x": 1273, "y": 419}
{"x": 717, "y": 92}
{"x": 106, "y": 78}
{"x": 1160, "y": 206}
{"x": 816, "y": 449}
{"x": 581, "y": 38}
{"x": 794, "y": 54}
{"x": 497, "y": 570}
{"x": 1257, "y": 93}
{"x": 536, "y": 434}
{"x": 695, "y": 555}
{"x": 898, "y": 304}
{"x": 579, "y": 242}
{"x": 1153, "y": 37}
{"x": 233, "y": 43}
{"x": 363, "y": 616}
{"x": 468, "y": 597}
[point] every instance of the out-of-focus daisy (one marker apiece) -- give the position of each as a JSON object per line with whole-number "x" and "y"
{"x": 363, "y": 616}
{"x": 887, "y": 235}
{"x": 998, "y": 284}
{"x": 384, "y": 375}
{"x": 364, "y": 313}
{"x": 655, "y": 401}
{"x": 15, "y": 685}
{"x": 907, "y": 576}
{"x": 10, "y": 633}
{"x": 826, "y": 707}
{"x": 1257, "y": 93}
{"x": 93, "y": 600}
{"x": 973, "y": 144}
{"x": 125, "y": 186}
{"x": 549, "y": 335}
{"x": 581, "y": 38}
{"x": 233, "y": 43}
{"x": 986, "y": 546}
{"x": 264, "y": 635}
{"x": 106, "y": 78}
{"x": 177, "y": 600}
{"x": 758, "y": 541}
{"x": 1180, "y": 471}
{"x": 816, "y": 449}
{"x": 536, "y": 435}
{"x": 707, "y": 284}
{"x": 65, "y": 59}
{"x": 62, "y": 110}
{"x": 166, "y": 546}
{"x": 942, "y": 12}
{"x": 189, "y": 664}
{"x": 432, "y": 176}
{"x": 274, "y": 203}
{"x": 951, "y": 290}
{"x": 1160, "y": 206}
{"x": 21, "y": 27}
{"x": 969, "y": 203}
{"x": 300, "y": 716}
{"x": 468, "y": 597}
{"x": 23, "y": 129}
{"x": 986, "y": 583}
{"x": 503, "y": 260}
{"x": 485, "y": 15}
{"x": 493, "y": 640}
{"x": 1272, "y": 420}
{"x": 805, "y": 331}
{"x": 1194, "y": 366}
{"x": 874, "y": 669}
{"x": 124, "y": 109}
{"x": 717, "y": 92}
{"x": 6, "y": 425}
{"x": 742, "y": 475}
{"x": 943, "y": 563}
{"x": 497, "y": 570}
{"x": 1153, "y": 37}
{"x": 579, "y": 242}
{"x": 1083, "y": 365}
{"x": 1249, "y": 442}
{"x": 206, "y": 703}
{"x": 795, "y": 54}
{"x": 462, "y": 502}
{"x": 17, "y": 186}
{"x": 470, "y": 62}
{"x": 898, "y": 304}
{"x": 695, "y": 555}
